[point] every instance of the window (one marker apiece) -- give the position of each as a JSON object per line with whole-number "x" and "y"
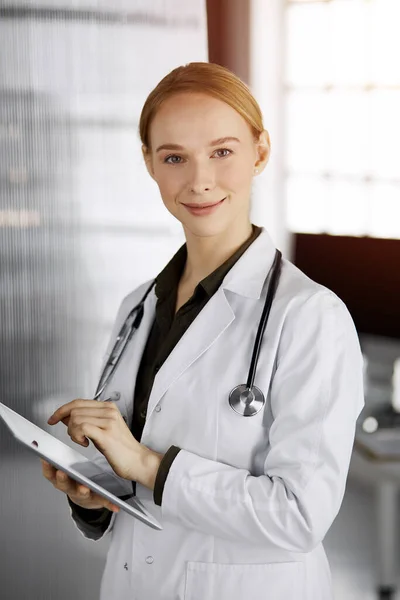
{"x": 342, "y": 117}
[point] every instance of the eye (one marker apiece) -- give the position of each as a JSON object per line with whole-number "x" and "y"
{"x": 224, "y": 150}
{"x": 166, "y": 159}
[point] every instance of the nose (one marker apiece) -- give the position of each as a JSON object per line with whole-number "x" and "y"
{"x": 202, "y": 179}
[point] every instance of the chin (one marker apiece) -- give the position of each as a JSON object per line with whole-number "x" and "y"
{"x": 206, "y": 229}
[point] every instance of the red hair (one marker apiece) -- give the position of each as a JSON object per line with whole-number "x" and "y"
{"x": 206, "y": 78}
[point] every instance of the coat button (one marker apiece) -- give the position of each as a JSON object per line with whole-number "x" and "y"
{"x": 115, "y": 396}
{"x": 143, "y": 414}
{"x": 149, "y": 560}
{"x": 157, "y": 408}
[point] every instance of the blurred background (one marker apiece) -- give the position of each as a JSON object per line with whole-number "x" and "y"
{"x": 82, "y": 224}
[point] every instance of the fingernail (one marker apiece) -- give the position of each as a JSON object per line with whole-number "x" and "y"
{"x": 49, "y": 420}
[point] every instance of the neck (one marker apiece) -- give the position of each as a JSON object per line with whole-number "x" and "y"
{"x": 207, "y": 253}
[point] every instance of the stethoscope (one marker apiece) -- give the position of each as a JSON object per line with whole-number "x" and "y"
{"x": 245, "y": 399}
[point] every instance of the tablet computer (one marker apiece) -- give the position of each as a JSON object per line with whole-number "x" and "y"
{"x": 77, "y": 466}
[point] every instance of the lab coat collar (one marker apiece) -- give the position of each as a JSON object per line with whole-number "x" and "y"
{"x": 247, "y": 276}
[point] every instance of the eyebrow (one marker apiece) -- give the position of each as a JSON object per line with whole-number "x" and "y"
{"x": 217, "y": 142}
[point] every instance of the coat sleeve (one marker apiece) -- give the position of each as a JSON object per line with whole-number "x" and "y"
{"x": 316, "y": 396}
{"x": 93, "y": 524}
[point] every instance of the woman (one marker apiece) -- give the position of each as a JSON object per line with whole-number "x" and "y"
{"x": 244, "y": 502}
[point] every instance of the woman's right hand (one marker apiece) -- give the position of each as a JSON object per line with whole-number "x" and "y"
{"x": 78, "y": 493}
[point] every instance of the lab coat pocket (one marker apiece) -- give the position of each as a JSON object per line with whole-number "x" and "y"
{"x": 272, "y": 581}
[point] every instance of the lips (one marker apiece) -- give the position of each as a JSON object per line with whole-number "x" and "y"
{"x": 200, "y": 206}
{"x": 202, "y": 210}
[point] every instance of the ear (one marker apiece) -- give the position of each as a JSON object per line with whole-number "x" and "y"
{"x": 148, "y": 160}
{"x": 263, "y": 150}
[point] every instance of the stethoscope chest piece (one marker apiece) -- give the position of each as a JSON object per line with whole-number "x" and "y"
{"x": 245, "y": 401}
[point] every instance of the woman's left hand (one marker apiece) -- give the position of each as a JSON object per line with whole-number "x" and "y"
{"x": 103, "y": 423}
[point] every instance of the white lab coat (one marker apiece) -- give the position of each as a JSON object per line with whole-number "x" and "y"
{"x": 247, "y": 501}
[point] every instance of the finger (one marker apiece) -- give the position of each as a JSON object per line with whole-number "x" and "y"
{"x": 100, "y": 417}
{"x": 65, "y": 410}
{"x": 89, "y": 431}
{"x": 78, "y": 428}
{"x": 80, "y": 491}
{"x": 92, "y": 408}
{"x": 64, "y": 483}
{"x": 83, "y": 491}
{"x": 84, "y": 494}
{"x": 111, "y": 506}
{"x": 106, "y": 503}
{"x": 49, "y": 472}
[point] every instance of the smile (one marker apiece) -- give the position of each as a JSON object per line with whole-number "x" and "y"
{"x": 206, "y": 210}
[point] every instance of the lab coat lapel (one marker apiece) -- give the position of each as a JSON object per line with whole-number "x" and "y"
{"x": 212, "y": 320}
{"x": 246, "y": 278}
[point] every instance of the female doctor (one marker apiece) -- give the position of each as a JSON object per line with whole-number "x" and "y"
{"x": 244, "y": 501}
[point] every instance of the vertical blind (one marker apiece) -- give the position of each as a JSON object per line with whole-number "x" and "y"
{"x": 81, "y": 225}
{"x": 81, "y": 222}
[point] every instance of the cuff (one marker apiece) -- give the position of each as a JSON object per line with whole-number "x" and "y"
{"x": 91, "y": 516}
{"x": 162, "y": 473}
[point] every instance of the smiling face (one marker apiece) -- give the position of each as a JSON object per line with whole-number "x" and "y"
{"x": 202, "y": 152}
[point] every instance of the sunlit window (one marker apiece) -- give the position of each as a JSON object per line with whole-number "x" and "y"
{"x": 342, "y": 81}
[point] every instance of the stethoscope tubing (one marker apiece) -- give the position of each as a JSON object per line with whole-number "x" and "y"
{"x": 275, "y": 274}
{"x": 139, "y": 309}
{"x": 124, "y": 340}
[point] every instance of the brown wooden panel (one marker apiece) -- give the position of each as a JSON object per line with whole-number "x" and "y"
{"x": 363, "y": 272}
{"x": 228, "y": 25}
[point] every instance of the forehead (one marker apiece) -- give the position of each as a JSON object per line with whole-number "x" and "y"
{"x": 192, "y": 119}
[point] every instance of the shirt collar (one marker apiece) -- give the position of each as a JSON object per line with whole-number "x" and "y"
{"x": 168, "y": 278}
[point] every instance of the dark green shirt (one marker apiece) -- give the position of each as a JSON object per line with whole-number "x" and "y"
{"x": 165, "y": 333}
